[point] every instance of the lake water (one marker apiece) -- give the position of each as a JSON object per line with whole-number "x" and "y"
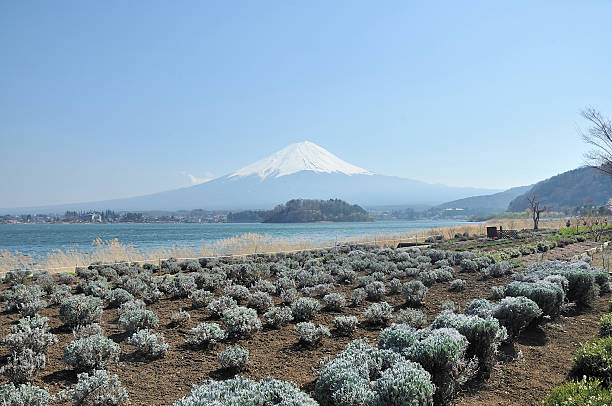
{"x": 43, "y": 238}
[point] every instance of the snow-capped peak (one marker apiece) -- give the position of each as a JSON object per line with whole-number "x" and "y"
{"x": 301, "y": 156}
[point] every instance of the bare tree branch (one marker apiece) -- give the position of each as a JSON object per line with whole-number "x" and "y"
{"x": 599, "y": 135}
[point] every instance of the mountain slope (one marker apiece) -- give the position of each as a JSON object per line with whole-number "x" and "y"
{"x": 302, "y": 170}
{"x": 573, "y": 188}
{"x": 302, "y": 156}
{"x": 487, "y": 204}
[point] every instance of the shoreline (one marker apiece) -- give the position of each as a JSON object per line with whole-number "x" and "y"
{"x": 113, "y": 250}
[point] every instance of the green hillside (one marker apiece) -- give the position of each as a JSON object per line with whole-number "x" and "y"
{"x": 578, "y": 187}
{"x": 304, "y": 211}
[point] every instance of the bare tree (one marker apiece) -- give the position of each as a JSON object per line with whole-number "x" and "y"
{"x": 536, "y": 210}
{"x": 599, "y": 135}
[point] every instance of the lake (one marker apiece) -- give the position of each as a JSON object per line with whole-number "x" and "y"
{"x": 44, "y": 238}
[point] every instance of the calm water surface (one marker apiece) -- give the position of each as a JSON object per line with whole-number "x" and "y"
{"x": 43, "y": 238}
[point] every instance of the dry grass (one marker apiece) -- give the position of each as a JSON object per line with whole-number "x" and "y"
{"x": 112, "y": 251}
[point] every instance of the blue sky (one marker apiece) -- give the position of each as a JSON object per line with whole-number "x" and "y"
{"x": 112, "y": 99}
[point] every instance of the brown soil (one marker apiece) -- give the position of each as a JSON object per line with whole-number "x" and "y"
{"x": 536, "y": 363}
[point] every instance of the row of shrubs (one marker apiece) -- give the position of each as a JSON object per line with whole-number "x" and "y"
{"x": 540, "y": 246}
{"x": 315, "y": 274}
{"x": 408, "y": 365}
{"x": 553, "y": 283}
{"x": 130, "y": 288}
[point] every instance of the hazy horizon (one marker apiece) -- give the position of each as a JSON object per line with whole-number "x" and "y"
{"x": 109, "y": 100}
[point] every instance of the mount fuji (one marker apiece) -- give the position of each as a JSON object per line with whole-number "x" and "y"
{"x": 301, "y": 170}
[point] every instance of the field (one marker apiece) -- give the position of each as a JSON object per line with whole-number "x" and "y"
{"x": 523, "y": 371}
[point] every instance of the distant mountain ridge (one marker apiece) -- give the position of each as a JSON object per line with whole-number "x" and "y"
{"x": 302, "y": 170}
{"x": 487, "y": 204}
{"x": 578, "y": 187}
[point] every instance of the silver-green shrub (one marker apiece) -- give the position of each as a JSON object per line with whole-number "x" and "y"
{"x": 97, "y": 389}
{"x": 218, "y": 306}
{"x": 205, "y": 335}
{"x": 180, "y": 317}
{"x": 414, "y": 293}
{"x": 310, "y": 334}
{"x": 16, "y": 276}
{"x": 284, "y": 283}
{"x": 241, "y": 321}
{"x": 498, "y": 292}
{"x": 30, "y": 332}
{"x": 117, "y": 297}
{"x": 209, "y": 281}
{"x": 457, "y": 285}
{"x": 237, "y": 292}
{"x": 260, "y": 301}
{"x": 398, "y": 337}
{"x": 395, "y": 286}
{"x": 31, "y": 323}
{"x": 375, "y": 291}
{"x": 289, "y": 295}
{"x": 413, "y": 317}
{"x": 25, "y": 299}
{"x": 92, "y": 352}
{"x": 442, "y": 353}
{"x": 584, "y": 283}
{"x": 149, "y": 344}
{"x": 86, "y": 273}
{"x": 334, "y": 301}
{"x": 469, "y": 265}
{"x": 264, "y": 285}
{"x": 407, "y": 383}
{"x": 241, "y": 391}
{"x": 182, "y": 285}
{"x": 305, "y": 308}
{"x": 31, "y": 307}
{"x": 79, "y": 310}
{"x": 351, "y": 379}
{"x": 547, "y": 295}
{"x": 59, "y": 293}
{"x": 516, "y": 313}
{"x": 345, "y": 325}
{"x": 484, "y": 336}
{"x": 479, "y": 307}
{"x": 131, "y": 305}
{"x": 277, "y": 317}
{"x": 233, "y": 358}
{"x": 23, "y": 365}
{"x": 378, "y": 314}
{"x": 497, "y": 270}
{"x": 436, "y": 275}
{"x": 201, "y": 298}
{"x": 87, "y": 330}
{"x": 450, "y": 305}
{"x": 65, "y": 278}
{"x": 109, "y": 273}
{"x": 346, "y": 276}
{"x": 98, "y": 288}
{"x": 24, "y": 395}
{"x": 138, "y": 319}
{"x": 358, "y": 296}
{"x": 190, "y": 265}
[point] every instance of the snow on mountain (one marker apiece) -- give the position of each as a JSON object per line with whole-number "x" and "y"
{"x": 301, "y": 156}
